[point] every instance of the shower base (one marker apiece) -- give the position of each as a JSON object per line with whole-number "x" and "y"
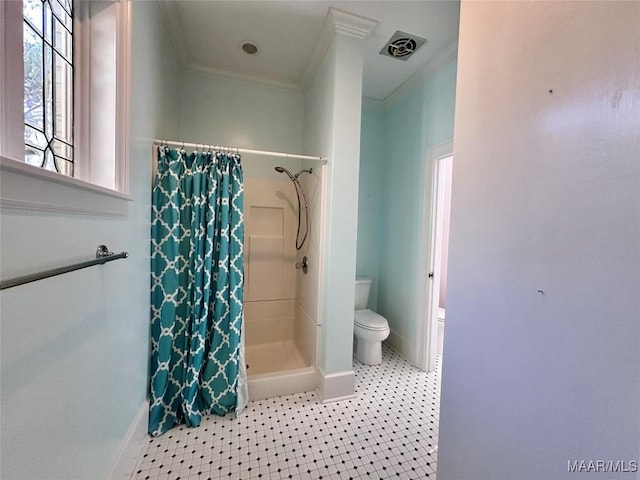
{"x": 277, "y": 368}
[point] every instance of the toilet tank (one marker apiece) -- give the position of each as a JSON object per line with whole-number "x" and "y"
{"x": 363, "y": 287}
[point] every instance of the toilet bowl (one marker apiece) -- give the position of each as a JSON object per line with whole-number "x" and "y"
{"x": 369, "y": 328}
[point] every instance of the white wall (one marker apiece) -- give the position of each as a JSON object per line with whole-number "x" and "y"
{"x": 317, "y": 140}
{"x": 445, "y": 182}
{"x": 75, "y": 347}
{"x": 332, "y": 129}
{"x": 546, "y": 196}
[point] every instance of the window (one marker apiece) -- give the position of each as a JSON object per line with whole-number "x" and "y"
{"x": 48, "y": 84}
{"x": 64, "y": 100}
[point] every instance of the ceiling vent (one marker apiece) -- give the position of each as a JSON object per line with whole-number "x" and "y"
{"x": 402, "y": 45}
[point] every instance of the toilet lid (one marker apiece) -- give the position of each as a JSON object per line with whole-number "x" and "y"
{"x": 370, "y": 320}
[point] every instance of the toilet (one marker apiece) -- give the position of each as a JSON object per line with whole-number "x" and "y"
{"x": 369, "y": 328}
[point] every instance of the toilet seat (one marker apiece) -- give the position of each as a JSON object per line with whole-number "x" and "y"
{"x": 369, "y": 320}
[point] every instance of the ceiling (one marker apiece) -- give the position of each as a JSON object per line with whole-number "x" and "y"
{"x": 209, "y": 35}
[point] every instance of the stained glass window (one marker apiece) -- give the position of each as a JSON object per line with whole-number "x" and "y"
{"x": 48, "y": 84}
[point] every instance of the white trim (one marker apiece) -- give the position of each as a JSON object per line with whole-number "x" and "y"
{"x": 427, "y": 331}
{"x": 82, "y": 98}
{"x": 243, "y": 77}
{"x": 11, "y": 80}
{"x": 335, "y": 21}
{"x": 446, "y": 55}
{"x": 131, "y": 448}
{"x": 372, "y": 102}
{"x": 101, "y": 123}
{"x": 9, "y": 164}
{"x": 26, "y": 187}
{"x": 351, "y": 24}
{"x": 335, "y": 387}
{"x": 173, "y": 23}
{"x": 123, "y": 94}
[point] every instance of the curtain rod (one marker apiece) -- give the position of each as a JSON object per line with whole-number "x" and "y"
{"x": 239, "y": 150}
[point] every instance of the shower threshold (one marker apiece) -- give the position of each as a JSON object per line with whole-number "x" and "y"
{"x": 276, "y": 369}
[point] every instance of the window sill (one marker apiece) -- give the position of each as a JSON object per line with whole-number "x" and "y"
{"x": 26, "y": 187}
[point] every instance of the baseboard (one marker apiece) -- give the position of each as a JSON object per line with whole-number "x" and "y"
{"x": 132, "y": 446}
{"x": 405, "y": 348}
{"x": 336, "y": 386}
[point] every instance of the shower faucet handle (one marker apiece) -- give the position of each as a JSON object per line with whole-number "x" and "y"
{"x": 302, "y": 265}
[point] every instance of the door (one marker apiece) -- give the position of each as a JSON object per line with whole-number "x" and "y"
{"x": 438, "y": 227}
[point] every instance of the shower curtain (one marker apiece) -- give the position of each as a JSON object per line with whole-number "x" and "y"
{"x": 197, "y": 345}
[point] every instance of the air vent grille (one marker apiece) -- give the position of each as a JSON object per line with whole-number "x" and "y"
{"x": 402, "y": 45}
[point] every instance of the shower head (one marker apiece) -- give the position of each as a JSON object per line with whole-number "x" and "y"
{"x": 291, "y": 176}
{"x": 299, "y": 192}
{"x": 282, "y": 169}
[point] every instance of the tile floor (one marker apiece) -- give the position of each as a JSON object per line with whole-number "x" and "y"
{"x": 388, "y": 431}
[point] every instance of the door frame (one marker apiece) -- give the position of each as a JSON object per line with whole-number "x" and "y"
{"x": 427, "y": 335}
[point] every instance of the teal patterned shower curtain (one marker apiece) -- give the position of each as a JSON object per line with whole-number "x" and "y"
{"x": 197, "y": 231}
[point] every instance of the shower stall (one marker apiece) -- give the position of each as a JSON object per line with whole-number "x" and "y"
{"x": 282, "y": 233}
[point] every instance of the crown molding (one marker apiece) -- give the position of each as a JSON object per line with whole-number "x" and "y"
{"x": 336, "y": 21}
{"x": 372, "y": 102}
{"x": 351, "y": 24}
{"x": 171, "y": 16}
{"x": 243, "y": 77}
{"x": 446, "y": 55}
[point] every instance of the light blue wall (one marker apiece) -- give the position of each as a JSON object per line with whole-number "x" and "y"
{"x": 394, "y": 166}
{"x": 372, "y": 175}
{"x": 74, "y": 349}
{"x": 234, "y": 113}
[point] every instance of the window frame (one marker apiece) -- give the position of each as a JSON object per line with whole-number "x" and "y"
{"x": 24, "y": 186}
{"x": 54, "y": 124}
